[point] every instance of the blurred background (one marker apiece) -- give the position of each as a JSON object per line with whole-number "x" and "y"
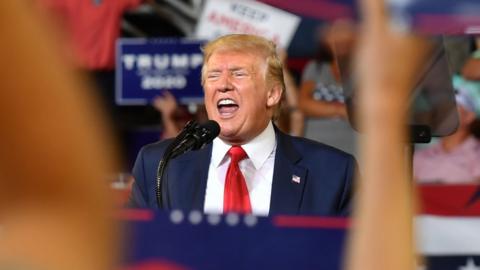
{"x": 143, "y": 59}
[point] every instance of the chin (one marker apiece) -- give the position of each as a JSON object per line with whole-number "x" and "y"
{"x": 227, "y": 139}
{"x": 225, "y": 134}
{"x": 230, "y": 136}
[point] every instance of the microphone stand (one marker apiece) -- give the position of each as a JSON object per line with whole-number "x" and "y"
{"x": 192, "y": 137}
{"x": 167, "y": 156}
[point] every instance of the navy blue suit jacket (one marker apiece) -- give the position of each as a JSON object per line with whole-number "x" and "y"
{"x": 325, "y": 173}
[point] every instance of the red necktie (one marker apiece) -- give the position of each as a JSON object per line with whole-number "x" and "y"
{"x": 236, "y": 197}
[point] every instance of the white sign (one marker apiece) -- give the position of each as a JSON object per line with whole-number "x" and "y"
{"x": 221, "y": 17}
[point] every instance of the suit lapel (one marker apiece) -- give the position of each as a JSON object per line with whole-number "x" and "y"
{"x": 288, "y": 178}
{"x": 190, "y": 183}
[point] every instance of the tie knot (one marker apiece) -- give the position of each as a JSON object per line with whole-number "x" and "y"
{"x": 237, "y": 153}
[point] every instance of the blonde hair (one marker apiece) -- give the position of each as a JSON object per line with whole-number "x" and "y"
{"x": 248, "y": 44}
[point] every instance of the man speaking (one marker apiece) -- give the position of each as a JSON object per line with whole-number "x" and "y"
{"x": 251, "y": 167}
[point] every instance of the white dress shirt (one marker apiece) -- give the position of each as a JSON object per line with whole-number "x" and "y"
{"x": 257, "y": 169}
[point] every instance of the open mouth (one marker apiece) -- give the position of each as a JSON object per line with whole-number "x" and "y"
{"x": 227, "y": 106}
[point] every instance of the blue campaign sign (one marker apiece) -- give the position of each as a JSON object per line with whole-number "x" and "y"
{"x": 147, "y": 67}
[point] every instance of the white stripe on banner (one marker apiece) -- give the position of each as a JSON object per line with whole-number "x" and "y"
{"x": 448, "y": 235}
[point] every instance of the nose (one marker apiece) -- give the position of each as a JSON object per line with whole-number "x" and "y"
{"x": 225, "y": 83}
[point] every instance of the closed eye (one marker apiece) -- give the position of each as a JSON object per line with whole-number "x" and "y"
{"x": 239, "y": 73}
{"x": 213, "y": 76}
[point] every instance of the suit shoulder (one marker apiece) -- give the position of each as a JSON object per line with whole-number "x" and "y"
{"x": 155, "y": 148}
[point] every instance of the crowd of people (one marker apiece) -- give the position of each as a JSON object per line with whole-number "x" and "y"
{"x": 314, "y": 104}
{"x": 453, "y": 159}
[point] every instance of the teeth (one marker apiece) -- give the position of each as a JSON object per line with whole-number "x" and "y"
{"x": 226, "y": 102}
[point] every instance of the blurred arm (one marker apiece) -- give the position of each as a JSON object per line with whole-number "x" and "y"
{"x": 471, "y": 69}
{"x": 55, "y": 156}
{"x": 316, "y": 108}
{"x": 296, "y": 116}
{"x": 167, "y": 105}
{"x": 382, "y": 235}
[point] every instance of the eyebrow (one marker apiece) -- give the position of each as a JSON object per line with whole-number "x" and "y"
{"x": 230, "y": 69}
{"x": 237, "y": 68}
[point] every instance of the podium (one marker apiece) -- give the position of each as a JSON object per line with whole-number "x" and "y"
{"x": 179, "y": 240}
{"x": 447, "y": 236}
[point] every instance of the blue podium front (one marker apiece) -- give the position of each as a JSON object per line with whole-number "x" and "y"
{"x": 178, "y": 240}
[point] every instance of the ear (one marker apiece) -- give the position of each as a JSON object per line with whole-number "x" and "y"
{"x": 274, "y": 95}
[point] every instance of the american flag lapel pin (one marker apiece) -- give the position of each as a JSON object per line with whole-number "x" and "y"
{"x": 296, "y": 179}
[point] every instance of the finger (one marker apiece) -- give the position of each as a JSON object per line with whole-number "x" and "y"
{"x": 373, "y": 14}
{"x": 158, "y": 99}
{"x": 167, "y": 94}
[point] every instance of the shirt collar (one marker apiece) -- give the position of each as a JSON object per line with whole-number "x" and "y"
{"x": 258, "y": 149}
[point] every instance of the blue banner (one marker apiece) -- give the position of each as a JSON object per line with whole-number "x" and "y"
{"x": 147, "y": 67}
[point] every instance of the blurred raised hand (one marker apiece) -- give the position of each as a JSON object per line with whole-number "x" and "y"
{"x": 387, "y": 63}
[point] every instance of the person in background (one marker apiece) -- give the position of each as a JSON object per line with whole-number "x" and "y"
{"x": 174, "y": 116}
{"x": 90, "y": 29}
{"x": 322, "y": 98}
{"x": 471, "y": 68}
{"x": 455, "y": 158}
{"x": 290, "y": 119}
{"x": 470, "y": 80}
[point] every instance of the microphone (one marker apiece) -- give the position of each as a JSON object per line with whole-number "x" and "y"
{"x": 197, "y": 137}
{"x": 187, "y": 129}
{"x": 192, "y": 137}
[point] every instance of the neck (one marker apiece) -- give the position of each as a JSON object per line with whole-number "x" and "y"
{"x": 241, "y": 140}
